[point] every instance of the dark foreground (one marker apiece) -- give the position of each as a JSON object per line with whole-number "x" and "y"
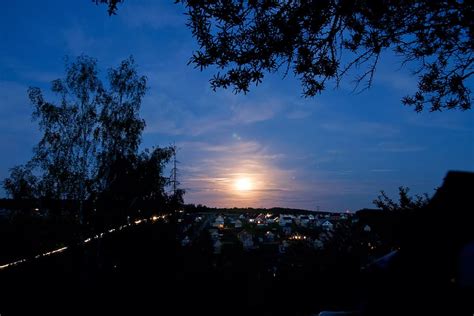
{"x": 142, "y": 270}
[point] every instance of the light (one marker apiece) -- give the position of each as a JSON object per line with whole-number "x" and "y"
{"x": 101, "y": 235}
{"x": 243, "y": 184}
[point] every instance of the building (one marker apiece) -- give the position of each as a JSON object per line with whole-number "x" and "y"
{"x": 327, "y": 225}
{"x": 246, "y": 239}
{"x": 285, "y": 220}
{"x": 238, "y": 224}
{"x": 303, "y": 220}
{"x": 219, "y": 222}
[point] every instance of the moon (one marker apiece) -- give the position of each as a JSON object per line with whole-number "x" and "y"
{"x": 243, "y": 184}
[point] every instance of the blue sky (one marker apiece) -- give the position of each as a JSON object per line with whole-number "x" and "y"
{"x": 335, "y": 151}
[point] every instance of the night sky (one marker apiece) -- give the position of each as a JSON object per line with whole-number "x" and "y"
{"x": 335, "y": 151}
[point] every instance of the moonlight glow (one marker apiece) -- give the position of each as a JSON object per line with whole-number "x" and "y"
{"x": 243, "y": 184}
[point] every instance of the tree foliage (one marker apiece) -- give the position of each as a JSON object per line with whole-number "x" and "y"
{"x": 322, "y": 41}
{"x": 112, "y": 5}
{"x": 67, "y": 150}
{"x": 21, "y": 184}
{"x": 91, "y": 133}
{"x": 405, "y": 201}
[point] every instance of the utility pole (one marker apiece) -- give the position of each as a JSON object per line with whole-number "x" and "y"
{"x": 174, "y": 170}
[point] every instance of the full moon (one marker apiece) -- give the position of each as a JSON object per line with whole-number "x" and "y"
{"x": 243, "y": 184}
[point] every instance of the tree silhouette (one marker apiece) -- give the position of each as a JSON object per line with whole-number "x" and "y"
{"x": 67, "y": 150}
{"x": 21, "y": 184}
{"x": 322, "y": 41}
{"x": 89, "y": 149}
{"x": 405, "y": 201}
{"x": 121, "y": 130}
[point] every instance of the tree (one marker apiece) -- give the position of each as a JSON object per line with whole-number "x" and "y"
{"x": 21, "y": 184}
{"x": 322, "y": 41}
{"x": 122, "y": 127}
{"x": 405, "y": 201}
{"x": 67, "y": 150}
{"x": 89, "y": 149}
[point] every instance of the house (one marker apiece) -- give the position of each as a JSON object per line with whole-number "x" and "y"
{"x": 285, "y": 220}
{"x": 269, "y": 236}
{"x": 246, "y": 239}
{"x": 270, "y": 220}
{"x": 219, "y": 222}
{"x": 238, "y": 224}
{"x": 327, "y": 225}
{"x": 287, "y": 230}
{"x": 261, "y": 220}
{"x": 303, "y": 220}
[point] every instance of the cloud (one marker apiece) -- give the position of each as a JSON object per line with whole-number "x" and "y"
{"x": 382, "y": 170}
{"x": 397, "y": 147}
{"x": 251, "y": 112}
{"x": 209, "y": 171}
{"x": 399, "y": 81}
{"x": 154, "y": 15}
{"x": 365, "y": 128}
{"x": 298, "y": 114}
{"x": 449, "y": 120}
{"x": 216, "y": 114}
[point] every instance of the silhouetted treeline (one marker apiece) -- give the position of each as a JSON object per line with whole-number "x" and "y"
{"x": 192, "y": 208}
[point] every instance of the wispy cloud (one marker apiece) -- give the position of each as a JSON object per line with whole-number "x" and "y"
{"x": 252, "y": 112}
{"x": 397, "y": 147}
{"x": 211, "y": 115}
{"x": 155, "y": 15}
{"x": 367, "y": 128}
{"x": 382, "y": 170}
{"x": 298, "y": 114}
{"x": 454, "y": 121}
{"x": 209, "y": 172}
{"x": 399, "y": 81}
